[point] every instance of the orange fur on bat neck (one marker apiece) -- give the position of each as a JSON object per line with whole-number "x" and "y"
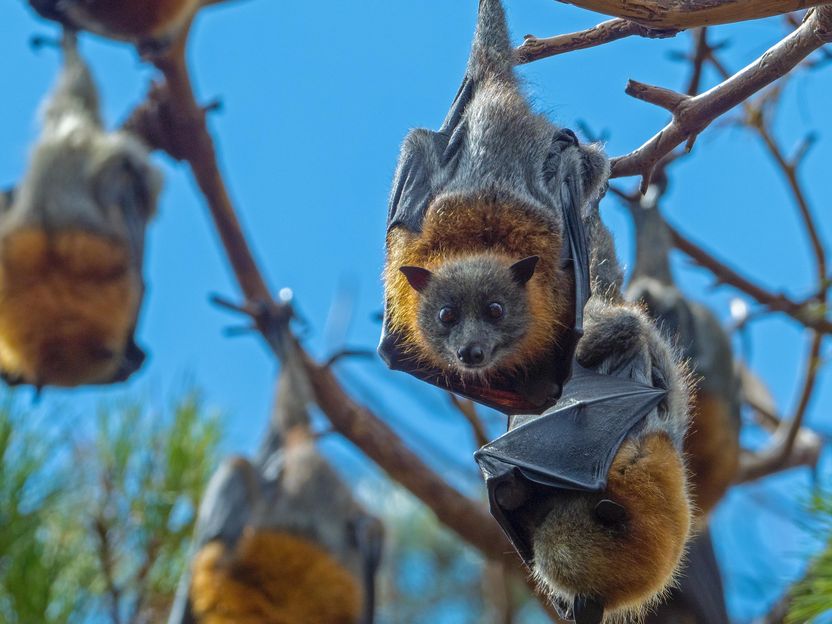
{"x": 455, "y": 228}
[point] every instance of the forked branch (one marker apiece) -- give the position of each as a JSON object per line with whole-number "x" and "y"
{"x": 693, "y": 114}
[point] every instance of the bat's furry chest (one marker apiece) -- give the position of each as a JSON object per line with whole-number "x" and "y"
{"x": 245, "y": 586}
{"x": 69, "y": 306}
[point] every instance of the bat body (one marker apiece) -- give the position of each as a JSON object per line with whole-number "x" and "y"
{"x": 497, "y": 207}
{"x": 477, "y": 286}
{"x": 72, "y": 245}
{"x": 280, "y": 540}
{"x": 712, "y": 444}
{"x": 152, "y": 24}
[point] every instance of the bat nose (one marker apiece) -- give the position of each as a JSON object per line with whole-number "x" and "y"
{"x": 471, "y": 355}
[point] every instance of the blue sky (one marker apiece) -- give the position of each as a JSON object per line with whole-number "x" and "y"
{"x": 317, "y": 98}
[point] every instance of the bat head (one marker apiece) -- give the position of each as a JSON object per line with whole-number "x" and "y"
{"x": 473, "y": 311}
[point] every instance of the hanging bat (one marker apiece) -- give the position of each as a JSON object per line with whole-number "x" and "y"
{"x": 593, "y": 492}
{"x": 152, "y": 25}
{"x": 72, "y": 244}
{"x": 496, "y": 208}
{"x": 280, "y": 539}
{"x": 712, "y": 445}
{"x": 478, "y": 289}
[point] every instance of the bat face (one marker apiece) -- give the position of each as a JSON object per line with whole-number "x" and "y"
{"x": 473, "y": 313}
{"x": 71, "y": 250}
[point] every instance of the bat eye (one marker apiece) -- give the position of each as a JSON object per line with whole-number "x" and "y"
{"x": 610, "y": 513}
{"x": 495, "y": 311}
{"x": 448, "y": 315}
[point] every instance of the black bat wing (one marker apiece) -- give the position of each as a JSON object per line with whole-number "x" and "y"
{"x": 700, "y": 585}
{"x": 570, "y": 447}
{"x": 225, "y": 510}
{"x": 427, "y": 157}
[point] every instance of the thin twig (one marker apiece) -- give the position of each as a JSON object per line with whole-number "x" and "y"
{"x": 804, "y": 313}
{"x": 467, "y": 408}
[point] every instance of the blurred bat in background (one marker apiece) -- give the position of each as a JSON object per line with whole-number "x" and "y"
{"x": 712, "y": 444}
{"x": 280, "y": 539}
{"x": 72, "y": 238}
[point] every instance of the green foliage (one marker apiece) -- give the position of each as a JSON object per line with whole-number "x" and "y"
{"x": 109, "y": 534}
{"x": 812, "y": 597}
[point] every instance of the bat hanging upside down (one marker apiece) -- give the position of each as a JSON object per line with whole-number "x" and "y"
{"x": 281, "y": 540}
{"x": 72, "y": 245}
{"x": 493, "y": 242}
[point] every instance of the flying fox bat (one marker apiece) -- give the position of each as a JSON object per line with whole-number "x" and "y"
{"x": 72, "y": 237}
{"x": 280, "y": 539}
{"x": 494, "y": 246}
{"x": 712, "y": 444}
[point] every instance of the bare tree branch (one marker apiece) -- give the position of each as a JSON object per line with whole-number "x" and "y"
{"x": 468, "y": 409}
{"x": 534, "y": 49}
{"x": 804, "y": 312}
{"x": 785, "y": 452}
{"x": 692, "y": 115}
{"x": 683, "y": 14}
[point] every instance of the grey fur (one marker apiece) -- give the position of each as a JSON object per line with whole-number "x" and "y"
{"x": 695, "y": 330}
{"x": 469, "y": 287}
{"x": 81, "y": 176}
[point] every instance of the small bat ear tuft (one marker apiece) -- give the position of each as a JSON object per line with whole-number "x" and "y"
{"x": 523, "y": 270}
{"x": 418, "y": 277}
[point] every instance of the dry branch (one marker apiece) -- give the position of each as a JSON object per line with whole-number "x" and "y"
{"x": 534, "y": 48}
{"x": 683, "y": 14}
{"x": 693, "y": 114}
{"x": 805, "y": 313}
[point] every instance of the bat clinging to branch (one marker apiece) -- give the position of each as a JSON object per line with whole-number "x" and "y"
{"x": 478, "y": 292}
{"x": 72, "y": 245}
{"x": 281, "y": 539}
{"x": 490, "y": 234}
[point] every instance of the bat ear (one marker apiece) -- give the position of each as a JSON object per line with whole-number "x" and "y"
{"x": 418, "y": 277}
{"x": 523, "y": 270}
